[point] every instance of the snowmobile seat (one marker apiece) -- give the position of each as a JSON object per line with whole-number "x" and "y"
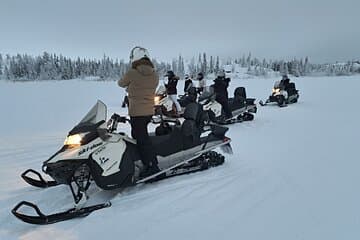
{"x": 240, "y": 92}
{"x": 217, "y": 133}
{"x": 250, "y": 101}
{"x": 190, "y": 97}
{"x": 239, "y": 100}
{"x": 168, "y": 144}
{"x": 209, "y": 94}
{"x": 191, "y": 127}
{"x": 235, "y": 104}
{"x": 291, "y": 89}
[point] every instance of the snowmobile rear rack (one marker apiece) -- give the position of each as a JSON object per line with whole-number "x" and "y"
{"x": 42, "y": 219}
{"x": 41, "y": 182}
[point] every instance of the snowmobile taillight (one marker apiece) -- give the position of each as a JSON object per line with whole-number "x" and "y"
{"x": 226, "y": 139}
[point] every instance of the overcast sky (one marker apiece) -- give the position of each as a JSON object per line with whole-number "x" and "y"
{"x": 324, "y": 30}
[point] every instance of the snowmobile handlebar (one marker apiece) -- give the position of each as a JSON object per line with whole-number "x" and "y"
{"x": 115, "y": 120}
{"x": 118, "y": 118}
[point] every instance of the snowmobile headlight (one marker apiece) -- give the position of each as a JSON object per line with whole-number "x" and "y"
{"x": 73, "y": 140}
{"x": 157, "y": 100}
{"x": 276, "y": 90}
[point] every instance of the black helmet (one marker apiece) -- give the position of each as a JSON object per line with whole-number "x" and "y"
{"x": 169, "y": 74}
{"x": 221, "y": 74}
{"x": 200, "y": 75}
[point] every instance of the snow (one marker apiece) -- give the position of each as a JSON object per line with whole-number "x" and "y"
{"x": 293, "y": 175}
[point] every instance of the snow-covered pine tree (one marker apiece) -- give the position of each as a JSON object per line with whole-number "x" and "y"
{"x": 192, "y": 67}
{"x": 248, "y": 60}
{"x": 1, "y": 66}
{"x": 306, "y": 67}
{"x": 174, "y": 66}
{"x": 204, "y": 65}
{"x": 286, "y": 70}
{"x": 217, "y": 64}
{"x": 211, "y": 66}
{"x": 181, "y": 67}
{"x": 7, "y": 74}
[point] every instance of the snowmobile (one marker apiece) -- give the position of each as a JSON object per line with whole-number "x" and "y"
{"x": 163, "y": 104}
{"x": 94, "y": 152}
{"x": 242, "y": 107}
{"x": 283, "y": 93}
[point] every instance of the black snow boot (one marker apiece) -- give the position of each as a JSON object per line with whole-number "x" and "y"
{"x": 149, "y": 170}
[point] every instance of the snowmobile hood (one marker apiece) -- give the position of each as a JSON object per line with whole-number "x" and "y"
{"x": 145, "y": 70}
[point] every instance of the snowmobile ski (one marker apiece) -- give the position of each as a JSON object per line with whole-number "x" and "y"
{"x": 42, "y": 219}
{"x": 41, "y": 182}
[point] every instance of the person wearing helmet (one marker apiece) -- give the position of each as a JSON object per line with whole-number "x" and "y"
{"x": 172, "y": 90}
{"x": 202, "y": 82}
{"x": 284, "y": 83}
{"x": 141, "y": 82}
{"x": 188, "y": 83}
{"x": 220, "y": 86}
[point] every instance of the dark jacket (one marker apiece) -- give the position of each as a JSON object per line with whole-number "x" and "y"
{"x": 188, "y": 85}
{"x": 220, "y": 87}
{"x": 171, "y": 85}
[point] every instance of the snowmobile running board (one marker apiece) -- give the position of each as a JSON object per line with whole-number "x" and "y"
{"x": 162, "y": 172}
{"x": 41, "y": 183}
{"x": 42, "y": 219}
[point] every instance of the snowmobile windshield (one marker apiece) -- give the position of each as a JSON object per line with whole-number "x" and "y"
{"x": 92, "y": 120}
{"x": 277, "y": 84}
{"x": 96, "y": 114}
{"x": 161, "y": 90}
{"x": 207, "y": 94}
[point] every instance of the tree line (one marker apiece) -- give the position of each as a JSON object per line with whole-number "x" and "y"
{"x": 57, "y": 67}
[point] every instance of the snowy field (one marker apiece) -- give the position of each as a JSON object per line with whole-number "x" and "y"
{"x": 294, "y": 173}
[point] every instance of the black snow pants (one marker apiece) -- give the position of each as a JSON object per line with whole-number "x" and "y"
{"x": 140, "y": 133}
{"x": 225, "y": 106}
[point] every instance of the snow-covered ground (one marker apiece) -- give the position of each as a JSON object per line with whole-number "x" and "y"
{"x": 294, "y": 173}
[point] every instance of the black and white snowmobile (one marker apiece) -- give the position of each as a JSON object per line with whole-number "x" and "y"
{"x": 164, "y": 105}
{"x": 94, "y": 152}
{"x": 242, "y": 107}
{"x": 283, "y": 93}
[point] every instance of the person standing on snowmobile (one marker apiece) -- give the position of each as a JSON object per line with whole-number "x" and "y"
{"x": 284, "y": 82}
{"x": 220, "y": 87}
{"x": 171, "y": 88}
{"x": 202, "y": 82}
{"x": 188, "y": 83}
{"x": 141, "y": 82}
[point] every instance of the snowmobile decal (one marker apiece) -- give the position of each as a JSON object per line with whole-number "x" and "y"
{"x": 110, "y": 151}
{"x": 84, "y": 150}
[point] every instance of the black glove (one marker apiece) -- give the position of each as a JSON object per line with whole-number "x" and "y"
{"x": 117, "y": 117}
